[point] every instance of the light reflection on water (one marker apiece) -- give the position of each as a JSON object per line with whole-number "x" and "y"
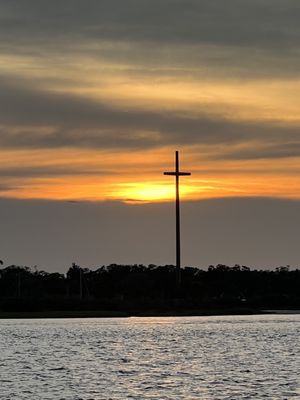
{"x": 233, "y": 357}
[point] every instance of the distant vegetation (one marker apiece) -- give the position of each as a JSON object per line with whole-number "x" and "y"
{"x": 140, "y": 289}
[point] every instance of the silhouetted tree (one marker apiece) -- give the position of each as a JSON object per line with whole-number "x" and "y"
{"x": 137, "y": 287}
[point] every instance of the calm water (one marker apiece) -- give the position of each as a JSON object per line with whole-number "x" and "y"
{"x": 252, "y": 357}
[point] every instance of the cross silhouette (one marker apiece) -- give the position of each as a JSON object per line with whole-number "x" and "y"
{"x": 177, "y": 174}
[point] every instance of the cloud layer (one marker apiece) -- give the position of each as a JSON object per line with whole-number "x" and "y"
{"x": 219, "y": 80}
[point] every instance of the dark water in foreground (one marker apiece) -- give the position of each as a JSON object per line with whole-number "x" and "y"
{"x": 248, "y": 357}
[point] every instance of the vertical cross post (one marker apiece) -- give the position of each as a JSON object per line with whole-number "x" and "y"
{"x": 177, "y": 174}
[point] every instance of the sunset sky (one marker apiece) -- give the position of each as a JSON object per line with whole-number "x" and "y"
{"x": 96, "y": 95}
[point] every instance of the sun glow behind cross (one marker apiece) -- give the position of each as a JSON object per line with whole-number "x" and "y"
{"x": 148, "y": 192}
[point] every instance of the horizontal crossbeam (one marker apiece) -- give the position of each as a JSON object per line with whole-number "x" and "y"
{"x": 177, "y": 173}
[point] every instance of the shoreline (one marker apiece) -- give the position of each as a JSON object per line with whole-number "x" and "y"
{"x": 128, "y": 314}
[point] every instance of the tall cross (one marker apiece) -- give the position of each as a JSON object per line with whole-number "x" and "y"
{"x": 177, "y": 174}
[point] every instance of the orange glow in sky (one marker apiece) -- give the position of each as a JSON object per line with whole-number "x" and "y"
{"x": 138, "y": 177}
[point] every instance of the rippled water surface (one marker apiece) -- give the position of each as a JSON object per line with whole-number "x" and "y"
{"x": 251, "y": 357}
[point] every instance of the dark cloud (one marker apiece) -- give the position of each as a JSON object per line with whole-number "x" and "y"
{"x": 5, "y": 187}
{"x": 278, "y": 150}
{"x": 259, "y": 30}
{"x": 251, "y": 22}
{"x": 49, "y": 171}
{"x": 52, "y": 120}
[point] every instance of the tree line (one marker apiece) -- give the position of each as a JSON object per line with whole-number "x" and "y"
{"x": 139, "y": 288}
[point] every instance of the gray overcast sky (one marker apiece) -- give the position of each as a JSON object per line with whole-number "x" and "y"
{"x": 262, "y": 233}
